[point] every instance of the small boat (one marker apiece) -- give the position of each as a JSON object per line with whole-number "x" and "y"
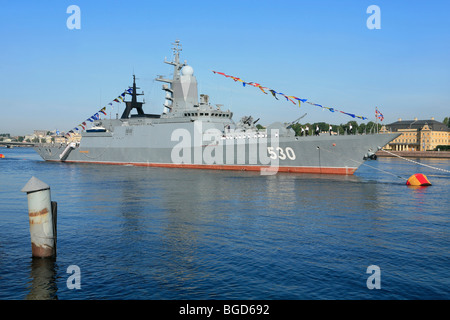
{"x": 96, "y": 129}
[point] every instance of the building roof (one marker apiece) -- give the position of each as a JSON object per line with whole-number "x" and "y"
{"x": 417, "y": 124}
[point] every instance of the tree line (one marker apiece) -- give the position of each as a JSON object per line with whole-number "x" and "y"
{"x": 362, "y": 128}
{"x": 446, "y": 121}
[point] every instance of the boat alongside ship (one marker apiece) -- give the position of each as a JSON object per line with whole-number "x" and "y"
{"x": 191, "y": 133}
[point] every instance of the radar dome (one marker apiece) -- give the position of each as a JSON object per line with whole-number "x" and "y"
{"x": 187, "y": 71}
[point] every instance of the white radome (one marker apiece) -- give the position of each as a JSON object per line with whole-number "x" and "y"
{"x": 187, "y": 71}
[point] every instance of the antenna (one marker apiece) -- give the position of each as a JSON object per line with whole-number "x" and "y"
{"x": 177, "y": 46}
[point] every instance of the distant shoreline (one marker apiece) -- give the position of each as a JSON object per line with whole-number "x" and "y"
{"x": 416, "y": 154}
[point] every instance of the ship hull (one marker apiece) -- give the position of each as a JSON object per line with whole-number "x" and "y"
{"x": 314, "y": 154}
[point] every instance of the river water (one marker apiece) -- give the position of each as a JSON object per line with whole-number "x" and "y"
{"x": 175, "y": 234}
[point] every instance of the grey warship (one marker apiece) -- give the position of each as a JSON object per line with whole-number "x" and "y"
{"x": 191, "y": 133}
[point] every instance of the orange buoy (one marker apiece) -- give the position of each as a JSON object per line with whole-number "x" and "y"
{"x": 418, "y": 179}
{"x": 2, "y": 156}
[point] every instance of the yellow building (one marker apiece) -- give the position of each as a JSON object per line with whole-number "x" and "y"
{"x": 418, "y": 135}
{"x": 75, "y": 137}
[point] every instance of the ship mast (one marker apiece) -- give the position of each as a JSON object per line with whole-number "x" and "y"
{"x": 133, "y": 104}
{"x": 181, "y": 90}
{"x": 176, "y": 56}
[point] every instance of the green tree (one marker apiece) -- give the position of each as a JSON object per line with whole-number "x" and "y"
{"x": 371, "y": 127}
{"x": 362, "y": 128}
{"x": 310, "y": 131}
{"x": 322, "y": 126}
{"x": 297, "y": 127}
{"x": 354, "y": 126}
{"x": 446, "y": 122}
{"x": 346, "y": 127}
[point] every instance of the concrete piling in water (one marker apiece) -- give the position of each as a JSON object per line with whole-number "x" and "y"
{"x": 42, "y": 217}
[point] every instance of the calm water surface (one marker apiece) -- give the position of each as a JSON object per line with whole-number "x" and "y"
{"x": 155, "y": 233}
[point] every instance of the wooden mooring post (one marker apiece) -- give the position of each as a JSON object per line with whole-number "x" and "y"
{"x": 42, "y": 214}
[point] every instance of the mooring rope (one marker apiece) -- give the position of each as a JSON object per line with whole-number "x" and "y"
{"x": 422, "y": 164}
{"x": 392, "y": 174}
{"x": 395, "y": 175}
{"x": 365, "y": 164}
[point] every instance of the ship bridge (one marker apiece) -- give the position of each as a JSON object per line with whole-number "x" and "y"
{"x": 182, "y": 93}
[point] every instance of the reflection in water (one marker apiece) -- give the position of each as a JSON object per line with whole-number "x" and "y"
{"x": 157, "y": 233}
{"x": 43, "y": 279}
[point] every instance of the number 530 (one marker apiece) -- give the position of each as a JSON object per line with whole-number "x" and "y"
{"x": 280, "y": 153}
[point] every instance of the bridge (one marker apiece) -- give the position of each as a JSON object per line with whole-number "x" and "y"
{"x": 16, "y": 144}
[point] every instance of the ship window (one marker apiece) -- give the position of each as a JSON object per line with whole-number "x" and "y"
{"x": 201, "y": 113}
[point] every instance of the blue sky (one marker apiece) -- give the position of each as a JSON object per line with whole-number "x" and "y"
{"x": 55, "y": 78}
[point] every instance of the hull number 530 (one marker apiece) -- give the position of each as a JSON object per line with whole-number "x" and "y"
{"x": 281, "y": 153}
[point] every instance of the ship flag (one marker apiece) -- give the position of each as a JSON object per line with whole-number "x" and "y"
{"x": 288, "y": 98}
{"x": 378, "y": 114}
{"x": 96, "y": 116}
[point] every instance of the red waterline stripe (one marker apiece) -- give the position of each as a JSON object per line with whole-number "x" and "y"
{"x": 324, "y": 170}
